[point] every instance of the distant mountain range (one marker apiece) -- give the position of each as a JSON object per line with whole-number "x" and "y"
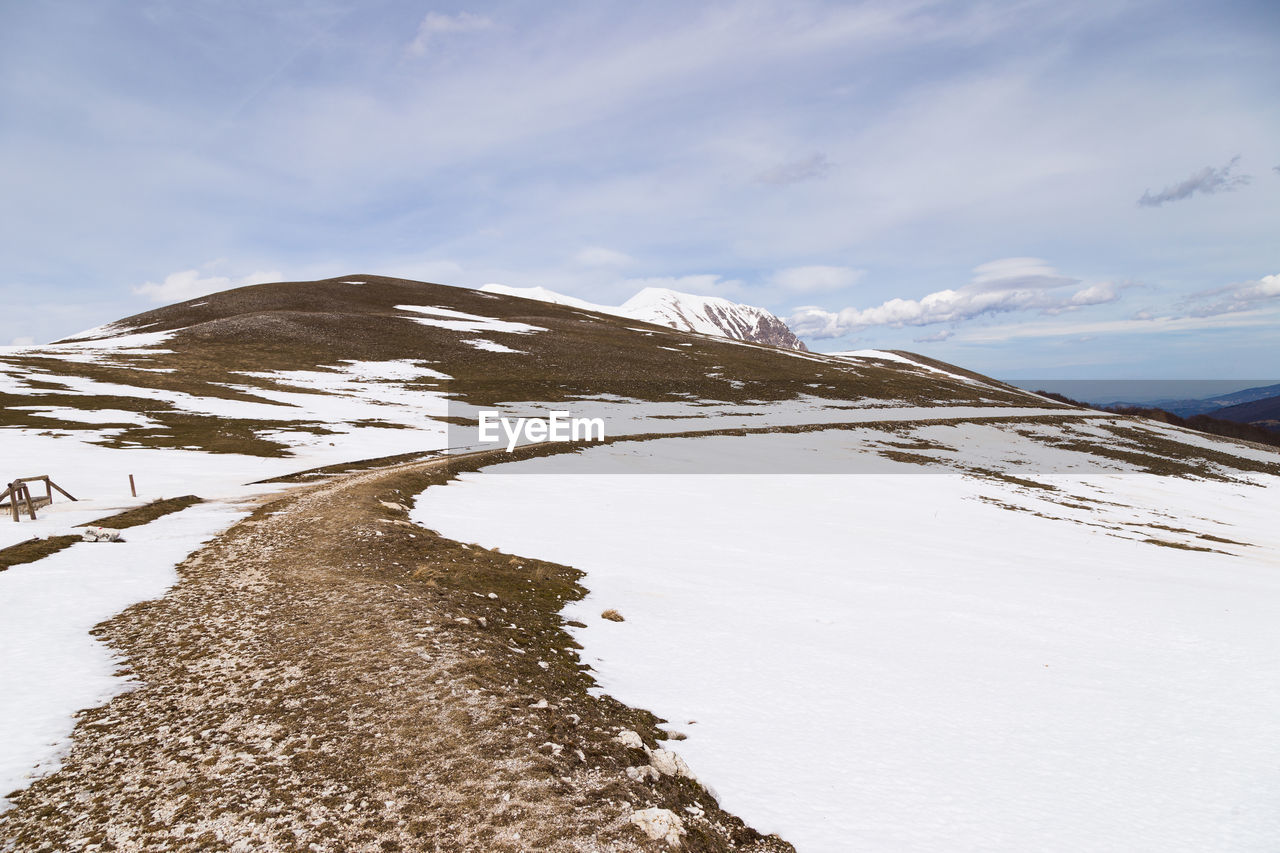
{"x": 1218, "y": 407}
{"x": 1257, "y": 409}
{"x": 687, "y": 312}
{"x": 1264, "y": 413}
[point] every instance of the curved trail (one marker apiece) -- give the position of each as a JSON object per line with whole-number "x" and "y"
{"x": 326, "y": 676}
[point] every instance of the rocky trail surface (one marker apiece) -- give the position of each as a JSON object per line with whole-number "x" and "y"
{"x": 327, "y": 676}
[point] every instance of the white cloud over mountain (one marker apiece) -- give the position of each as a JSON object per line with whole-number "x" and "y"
{"x": 1010, "y": 284}
{"x": 188, "y": 284}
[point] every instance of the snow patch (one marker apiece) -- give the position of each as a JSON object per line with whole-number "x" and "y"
{"x": 460, "y": 321}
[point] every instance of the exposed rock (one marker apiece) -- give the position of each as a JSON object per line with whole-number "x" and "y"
{"x": 669, "y": 764}
{"x": 646, "y": 773}
{"x": 660, "y": 825}
{"x": 630, "y": 739}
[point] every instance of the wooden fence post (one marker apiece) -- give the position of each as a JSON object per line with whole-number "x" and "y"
{"x": 132, "y": 487}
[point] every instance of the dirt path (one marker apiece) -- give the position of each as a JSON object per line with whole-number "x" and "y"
{"x": 326, "y": 676}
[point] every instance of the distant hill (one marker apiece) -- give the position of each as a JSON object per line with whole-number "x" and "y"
{"x": 1263, "y": 413}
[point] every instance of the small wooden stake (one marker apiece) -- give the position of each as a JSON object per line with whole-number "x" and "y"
{"x": 132, "y": 487}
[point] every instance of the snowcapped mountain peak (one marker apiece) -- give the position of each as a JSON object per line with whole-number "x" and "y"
{"x": 688, "y": 312}
{"x": 710, "y": 315}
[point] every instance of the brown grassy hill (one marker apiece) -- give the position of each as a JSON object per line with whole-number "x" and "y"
{"x": 299, "y": 325}
{"x": 1261, "y": 413}
{"x": 233, "y": 346}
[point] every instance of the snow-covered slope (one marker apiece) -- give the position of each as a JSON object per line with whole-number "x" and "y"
{"x": 688, "y": 312}
{"x": 993, "y": 642}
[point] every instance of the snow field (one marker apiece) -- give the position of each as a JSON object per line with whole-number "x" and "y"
{"x": 52, "y": 667}
{"x": 886, "y": 662}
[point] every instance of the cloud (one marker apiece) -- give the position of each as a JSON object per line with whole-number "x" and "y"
{"x": 1207, "y": 181}
{"x": 813, "y": 278}
{"x": 1235, "y": 298}
{"x": 814, "y": 166}
{"x": 436, "y": 24}
{"x": 1247, "y": 305}
{"x": 598, "y": 256}
{"x": 25, "y": 341}
{"x": 1012, "y": 284}
{"x": 936, "y": 337}
{"x": 188, "y": 284}
{"x": 1149, "y": 326}
{"x": 707, "y": 284}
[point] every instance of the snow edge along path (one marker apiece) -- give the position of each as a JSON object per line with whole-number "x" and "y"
{"x": 53, "y": 668}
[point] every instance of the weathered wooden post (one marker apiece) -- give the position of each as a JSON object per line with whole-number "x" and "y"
{"x": 12, "y": 494}
{"x": 31, "y": 506}
{"x": 64, "y": 492}
{"x": 132, "y": 487}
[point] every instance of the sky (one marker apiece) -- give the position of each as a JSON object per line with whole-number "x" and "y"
{"x": 1030, "y": 189}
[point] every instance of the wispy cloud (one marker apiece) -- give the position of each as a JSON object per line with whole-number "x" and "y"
{"x": 1207, "y": 181}
{"x": 936, "y": 337}
{"x": 1235, "y": 298}
{"x": 815, "y": 278}
{"x": 188, "y": 284}
{"x": 436, "y": 24}
{"x": 599, "y": 256}
{"x": 1132, "y": 326}
{"x": 1011, "y": 284}
{"x": 805, "y": 169}
{"x": 705, "y": 284}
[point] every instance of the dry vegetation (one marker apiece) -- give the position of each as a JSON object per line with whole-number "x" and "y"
{"x": 34, "y": 549}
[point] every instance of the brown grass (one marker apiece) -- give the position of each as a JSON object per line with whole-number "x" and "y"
{"x": 33, "y": 549}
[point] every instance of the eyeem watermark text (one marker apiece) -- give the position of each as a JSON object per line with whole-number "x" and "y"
{"x": 557, "y": 426}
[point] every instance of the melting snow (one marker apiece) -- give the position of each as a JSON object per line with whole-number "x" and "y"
{"x": 460, "y": 321}
{"x": 491, "y": 346}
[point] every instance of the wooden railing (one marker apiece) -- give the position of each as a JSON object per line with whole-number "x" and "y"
{"x": 18, "y": 494}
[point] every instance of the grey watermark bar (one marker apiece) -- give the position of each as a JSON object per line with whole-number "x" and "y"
{"x": 1043, "y": 438}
